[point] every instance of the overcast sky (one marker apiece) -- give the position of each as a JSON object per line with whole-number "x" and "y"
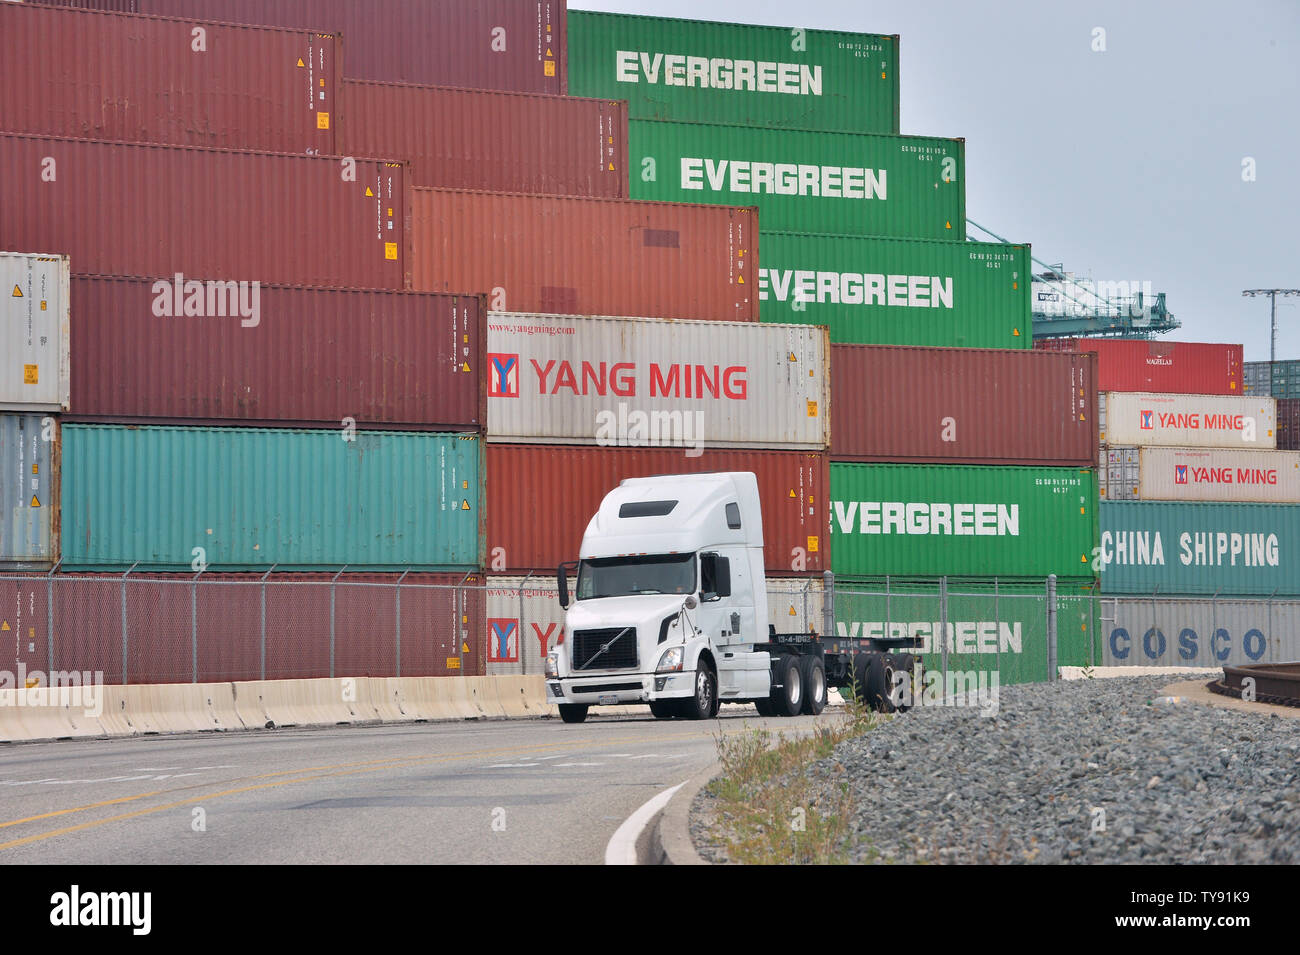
{"x": 1126, "y": 164}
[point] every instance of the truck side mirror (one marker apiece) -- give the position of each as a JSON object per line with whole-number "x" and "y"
{"x": 562, "y": 578}
{"x": 722, "y": 582}
{"x": 715, "y": 577}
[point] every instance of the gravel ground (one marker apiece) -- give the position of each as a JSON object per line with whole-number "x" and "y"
{"x": 1182, "y": 783}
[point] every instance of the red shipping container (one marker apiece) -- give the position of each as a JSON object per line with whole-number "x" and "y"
{"x": 310, "y": 358}
{"x": 567, "y": 256}
{"x": 484, "y": 44}
{"x": 540, "y": 500}
{"x": 963, "y": 406}
{"x": 440, "y": 615}
{"x": 208, "y": 214}
{"x": 1288, "y": 424}
{"x": 1180, "y": 368}
{"x": 500, "y": 142}
{"x": 151, "y": 80}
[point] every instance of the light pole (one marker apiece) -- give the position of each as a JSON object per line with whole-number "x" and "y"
{"x": 1272, "y": 293}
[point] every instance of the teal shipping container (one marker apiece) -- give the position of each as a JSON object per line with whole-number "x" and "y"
{"x": 1175, "y": 548}
{"x": 171, "y": 498}
{"x": 911, "y": 187}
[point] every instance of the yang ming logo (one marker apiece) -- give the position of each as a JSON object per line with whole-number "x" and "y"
{"x": 1180, "y": 473}
{"x": 1147, "y": 424}
{"x": 503, "y": 376}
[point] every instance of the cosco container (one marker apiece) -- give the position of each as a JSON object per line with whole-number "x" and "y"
{"x": 1168, "y": 548}
{"x": 141, "y": 79}
{"x": 219, "y": 627}
{"x": 1187, "y": 421}
{"x": 933, "y": 521}
{"x": 33, "y": 331}
{"x": 304, "y": 356}
{"x": 1288, "y": 423}
{"x": 29, "y": 490}
{"x": 501, "y": 142}
{"x": 540, "y": 499}
{"x": 484, "y": 44}
{"x": 844, "y": 183}
{"x": 1190, "y": 368}
{"x": 648, "y": 382}
{"x": 898, "y": 291}
{"x": 761, "y": 76}
{"x": 524, "y": 617}
{"x": 167, "y": 498}
{"x": 1200, "y": 474}
{"x": 181, "y": 214}
{"x": 1188, "y": 632}
{"x": 569, "y": 256}
{"x": 963, "y": 406}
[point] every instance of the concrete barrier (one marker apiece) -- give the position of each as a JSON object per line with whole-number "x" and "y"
{"x": 60, "y": 713}
{"x": 376, "y": 699}
{"x": 114, "y": 719}
{"x": 320, "y": 702}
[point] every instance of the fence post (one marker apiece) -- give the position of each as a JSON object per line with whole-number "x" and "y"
{"x": 523, "y": 653}
{"x": 194, "y": 627}
{"x": 943, "y": 626}
{"x": 262, "y": 670}
{"x": 888, "y": 609}
{"x": 333, "y": 580}
{"x": 461, "y": 633}
{"x": 997, "y": 630}
{"x": 398, "y": 600}
{"x": 1051, "y": 628}
{"x": 828, "y": 603}
{"x": 124, "y": 576}
{"x": 49, "y": 617}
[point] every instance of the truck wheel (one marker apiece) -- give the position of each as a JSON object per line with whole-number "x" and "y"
{"x": 573, "y": 712}
{"x": 880, "y": 682}
{"x": 813, "y": 672}
{"x": 663, "y": 709}
{"x": 765, "y": 707}
{"x": 861, "y": 671}
{"x": 703, "y": 704}
{"x": 787, "y": 689}
{"x": 906, "y": 663}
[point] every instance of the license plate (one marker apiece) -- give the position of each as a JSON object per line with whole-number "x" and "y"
{"x": 607, "y": 699}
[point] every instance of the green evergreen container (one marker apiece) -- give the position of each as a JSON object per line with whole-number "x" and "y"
{"x": 843, "y": 183}
{"x": 699, "y": 71}
{"x": 898, "y": 291}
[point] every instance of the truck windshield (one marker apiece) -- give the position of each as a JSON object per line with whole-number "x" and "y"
{"x": 622, "y": 576}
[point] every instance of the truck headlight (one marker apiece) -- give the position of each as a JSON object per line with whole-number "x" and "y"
{"x": 553, "y": 663}
{"x": 671, "y": 660}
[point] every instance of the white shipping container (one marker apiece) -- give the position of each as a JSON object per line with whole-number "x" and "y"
{"x": 1197, "y": 474}
{"x": 1141, "y": 419}
{"x": 33, "y": 332}
{"x": 648, "y": 382}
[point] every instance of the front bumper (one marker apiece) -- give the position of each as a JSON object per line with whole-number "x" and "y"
{"x": 615, "y": 688}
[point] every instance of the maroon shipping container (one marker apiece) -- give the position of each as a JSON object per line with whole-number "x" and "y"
{"x": 1184, "y": 368}
{"x": 152, "y": 80}
{"x": 209, "y": 214}
{"x": 540, "y": 499}
{"x": 441, "y": 614}
{"x": 963, "y": 406}
{"x": 484, "y": 44}
{"x": 500, "y": 142}
{"x": 1288, "y": 424}
{"x": 561, "y": 255}
{"x": 310, "y": 357}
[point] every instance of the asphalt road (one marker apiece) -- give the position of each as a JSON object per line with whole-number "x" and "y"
{"x": 531, "y": 791}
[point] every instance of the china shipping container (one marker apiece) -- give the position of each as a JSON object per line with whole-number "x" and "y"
{"x": 1174, "y": 547}
{"x": 310, "y": 356}
{"x": 223, "y": 627}
{"x": 524, "y": 616}
{"x": 1200, "y": 474}
{"x": 1191, "y": 632}
{"x": 1288, "y": 424}
{"x": 899, "y": 291}
{"x": 159, "y": 80}
{"x": 1187, "y": 421}
{"x": 963, "y": 406}
{"x": 764, "y": 76}
{"x": 541, "y": 498}
{"x": 1189, "y": 368}
{"x": 648, "y": 381}
{"x": 483, "y": 44}
{"x": 569, "y": 256}
{"x": 910, "y": 187}
{"x": 29, "y": 490}
{"x": 948, "y": 520}
{"x": 34, "y": 332}
{"x": 495, "y": 141}
{"x": 208, "y": 214}
{"x": 168, "y": 498}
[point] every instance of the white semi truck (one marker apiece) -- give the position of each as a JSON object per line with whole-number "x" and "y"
{"x": 670, "y": 609}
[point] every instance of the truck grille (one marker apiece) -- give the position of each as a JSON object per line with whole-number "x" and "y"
{"x": 587, "y": 643}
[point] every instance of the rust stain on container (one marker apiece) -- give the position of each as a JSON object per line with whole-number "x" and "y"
{"x": 142, "y": 79}
{"x": 963, "y": 406}
{"x": 501, "y": 142}
{"x": 206, "y": 214}
{"x": 310, "y": 356}
{"x": 588, "y": 256}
